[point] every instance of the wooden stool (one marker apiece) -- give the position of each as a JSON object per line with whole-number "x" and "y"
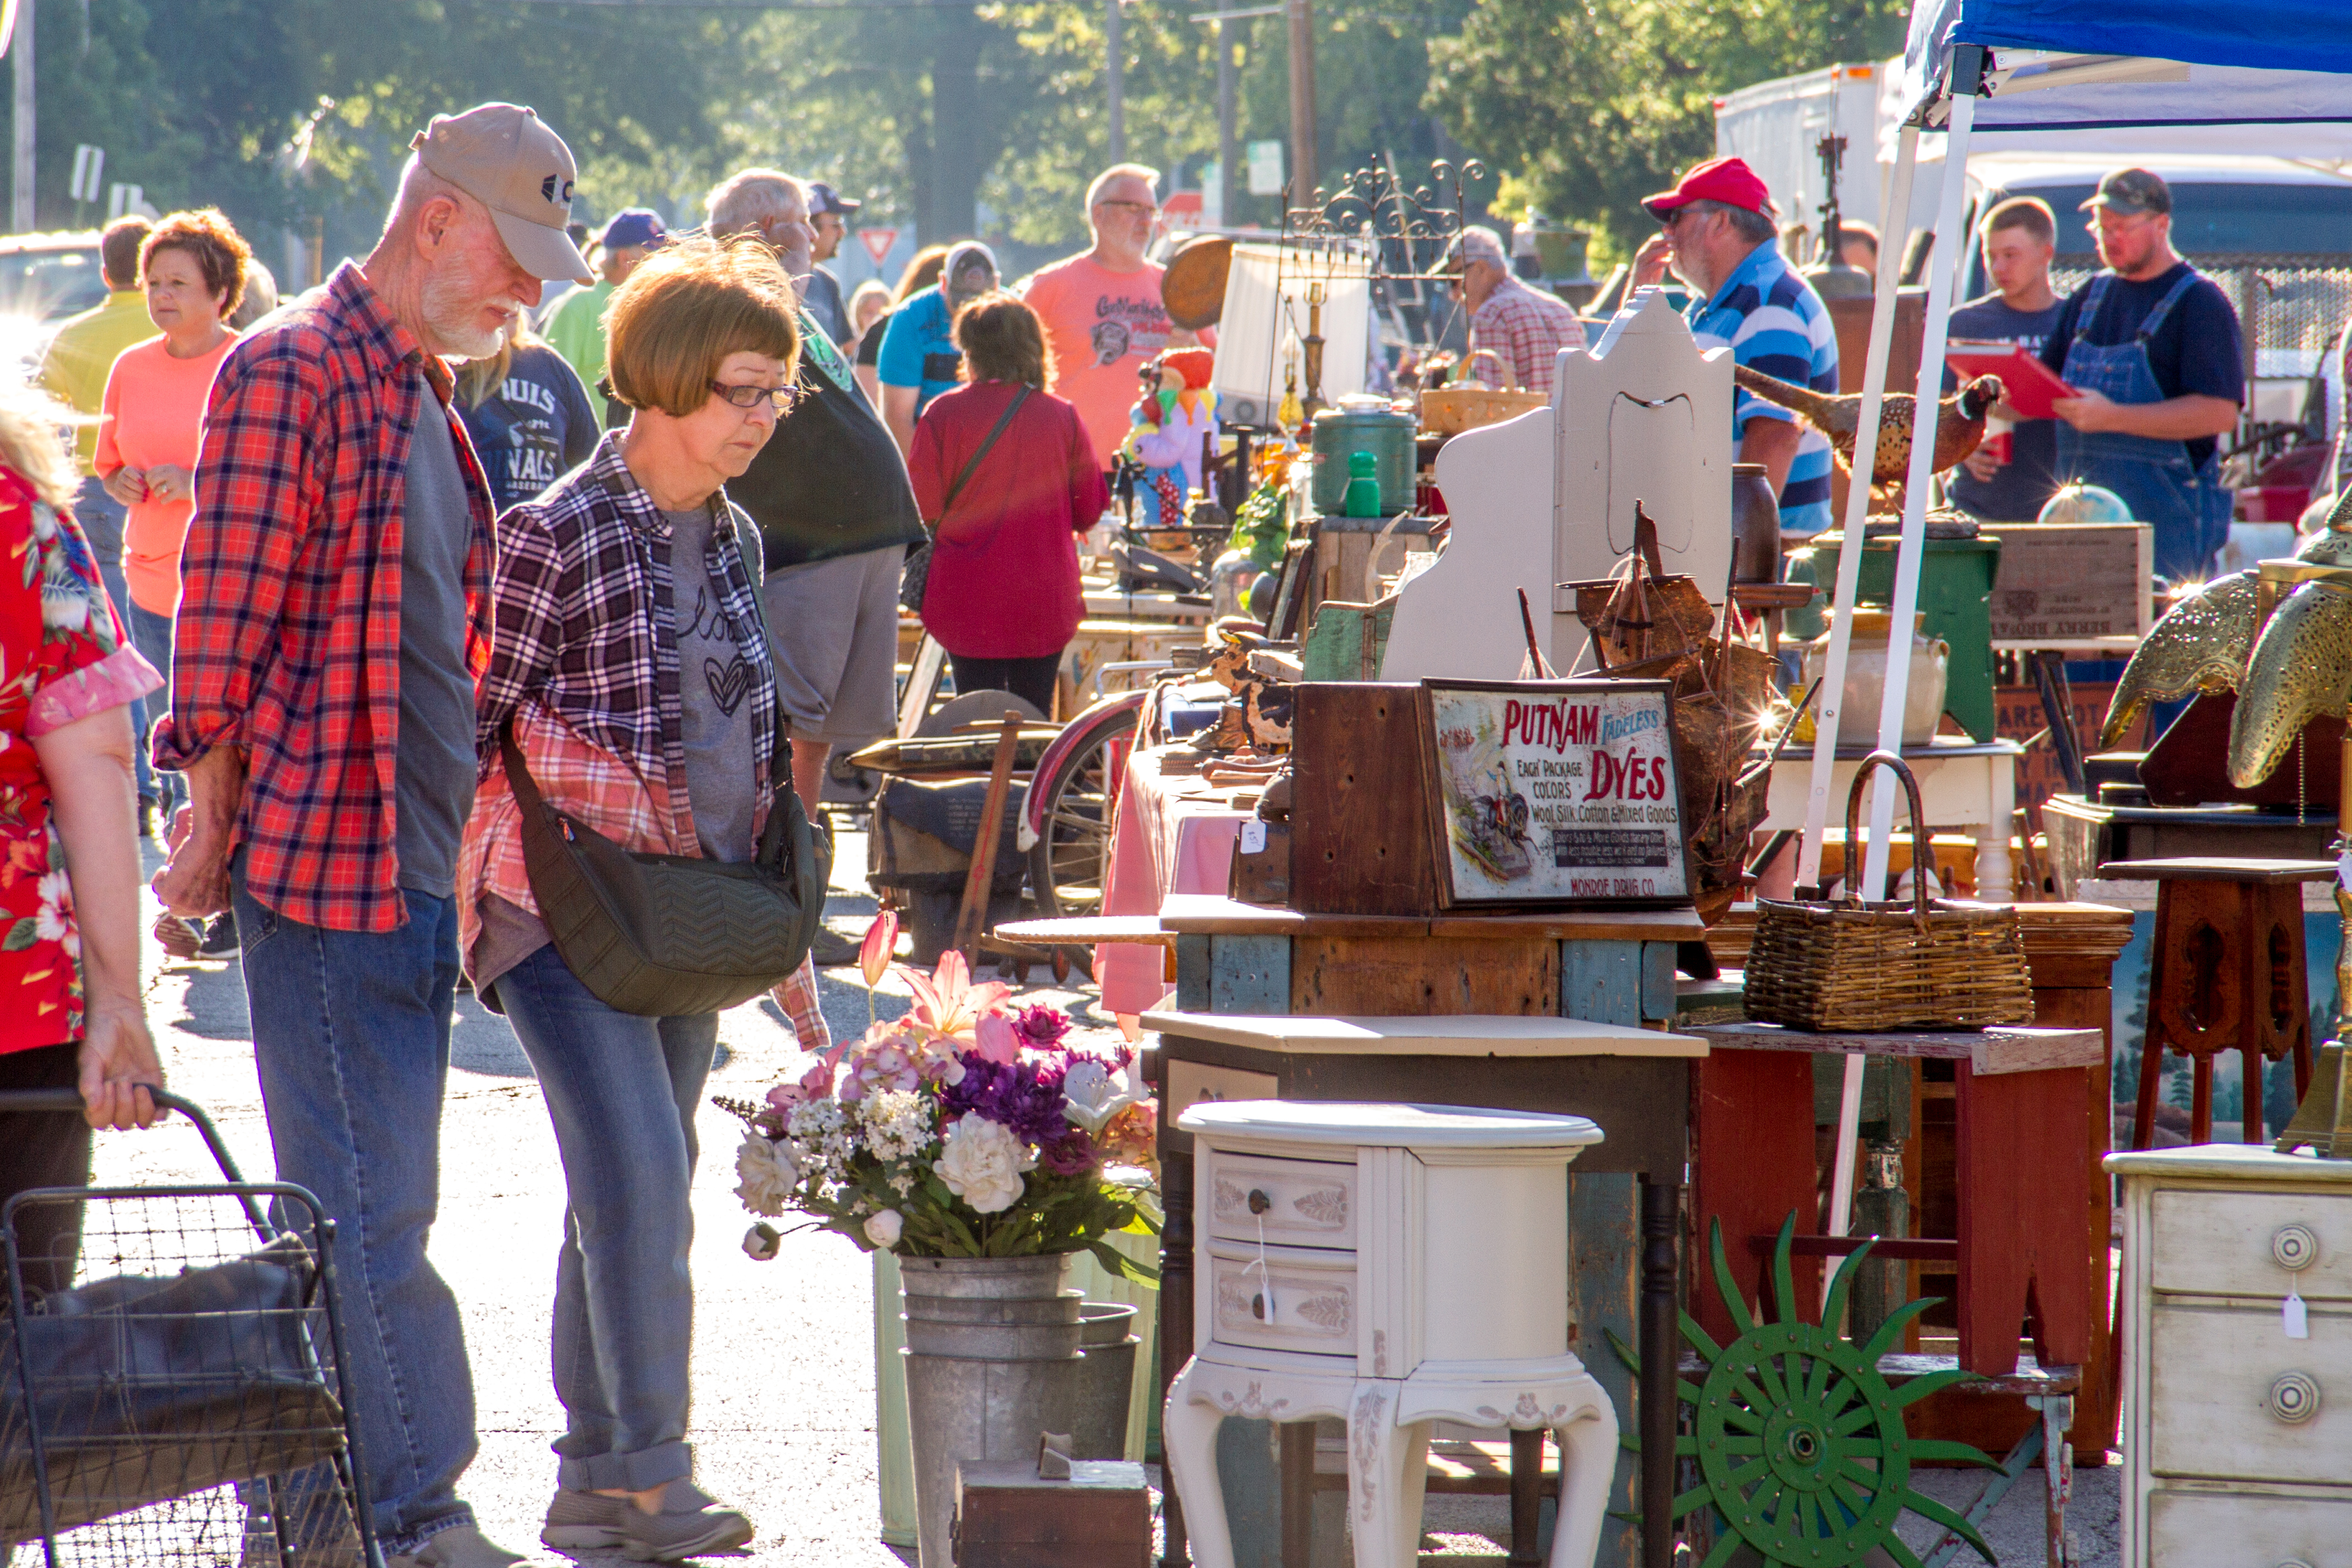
{"x": 2226, "y": 973}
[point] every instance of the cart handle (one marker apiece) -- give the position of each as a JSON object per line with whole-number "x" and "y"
{"x": 1883, "y": 759}
{"x": 70, "y": 1100}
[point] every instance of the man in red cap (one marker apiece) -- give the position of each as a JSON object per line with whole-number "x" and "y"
{"x": 1720, "y": 236}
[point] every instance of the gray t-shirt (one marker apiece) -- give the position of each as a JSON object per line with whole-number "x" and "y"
{"x": 714, "y": 687}
{"x": 436, "y": 771}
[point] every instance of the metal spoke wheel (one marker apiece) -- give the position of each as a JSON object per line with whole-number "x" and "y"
{"x": 1072, "y": 855}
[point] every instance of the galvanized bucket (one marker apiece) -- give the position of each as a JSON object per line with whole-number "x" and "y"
{"x": 992, "y": 1360}
{"x": 1107, "y": 1382}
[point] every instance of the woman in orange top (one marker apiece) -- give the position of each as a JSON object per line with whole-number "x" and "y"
{"x": 192, "y": 267}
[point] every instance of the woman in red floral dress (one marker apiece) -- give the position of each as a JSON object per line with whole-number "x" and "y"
{"x": 71, "y": 1011}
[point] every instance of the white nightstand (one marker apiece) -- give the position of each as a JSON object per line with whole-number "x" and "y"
{"x": 2236, "y": 1435}
{"x": 1389, "y": 1266}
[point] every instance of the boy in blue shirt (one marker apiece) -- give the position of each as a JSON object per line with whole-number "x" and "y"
{"x": 919, "y": 359}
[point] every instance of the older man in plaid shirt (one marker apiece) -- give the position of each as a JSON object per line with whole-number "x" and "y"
{"x": 333, "y": 619}
{"x": 1523, "y": 329}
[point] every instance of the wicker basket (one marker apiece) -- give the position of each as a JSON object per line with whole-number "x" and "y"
{"x": 1451, "y": 410}
{"x": 1857, "y": 967}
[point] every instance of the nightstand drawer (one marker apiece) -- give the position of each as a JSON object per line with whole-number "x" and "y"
{"x": 2253, "y": 1243}
{"x": 1300, "y": 1301}
{"x": 2232, "y": 1398}
{"x": 2262, "y": 1530}
{"x": 1302, "y": 1203}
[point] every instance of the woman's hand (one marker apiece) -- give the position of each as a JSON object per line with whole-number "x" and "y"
{"x": 127, "y": 485}
{"x": 117, "y": 1056}
{"x": 167, "y": 482}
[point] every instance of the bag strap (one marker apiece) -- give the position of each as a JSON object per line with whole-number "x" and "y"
{"x": 524, "y": 788}
{"x": 1003, "y": 420}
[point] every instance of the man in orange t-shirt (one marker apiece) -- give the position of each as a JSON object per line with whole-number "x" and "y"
{"x": 1101, "y": 308}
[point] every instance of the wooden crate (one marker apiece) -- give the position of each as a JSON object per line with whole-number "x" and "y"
{"x": 1359, "y": 810}
{"x": 2072, "y": 584}
{"x": 1007, "y": 1516}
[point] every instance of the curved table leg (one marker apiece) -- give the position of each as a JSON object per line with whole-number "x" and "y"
{"x": 1588, "y": 1462}
{"x": 1189, "y": 1435}
{"x": 1388, "y": 1468}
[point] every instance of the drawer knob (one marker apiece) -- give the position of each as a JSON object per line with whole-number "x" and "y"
{"x": 2294, "y": 1248}
{"x": 2293, "y": 1397}
{"x": 1259, "y": 1202}
{"x": 1257, "y": 1306}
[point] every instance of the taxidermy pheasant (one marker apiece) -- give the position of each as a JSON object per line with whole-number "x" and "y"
{"x": 1959, "y": 421}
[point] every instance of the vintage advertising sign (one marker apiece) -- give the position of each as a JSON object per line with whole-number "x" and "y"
{"x": 1553, "y": 791}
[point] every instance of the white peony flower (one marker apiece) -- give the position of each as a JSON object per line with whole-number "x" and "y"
{"x": 762, "y": 1242}
{"x": 767, "y": 1175}
{"x": 982, "y": 1162}
{"x": 884, "y": 1228}
{"x": 1092, "y": 1093}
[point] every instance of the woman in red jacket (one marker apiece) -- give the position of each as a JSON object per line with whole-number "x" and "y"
{"x": 1004, "y": 598}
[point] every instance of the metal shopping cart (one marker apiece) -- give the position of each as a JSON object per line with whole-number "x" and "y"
{"x": 177, "y": 1396}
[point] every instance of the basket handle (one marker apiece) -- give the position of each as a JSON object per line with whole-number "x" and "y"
{"x": 1885, "y": 759}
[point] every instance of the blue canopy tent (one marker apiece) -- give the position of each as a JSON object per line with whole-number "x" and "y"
{"x": 2024, "y": 65}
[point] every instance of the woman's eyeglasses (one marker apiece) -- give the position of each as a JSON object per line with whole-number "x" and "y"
{"x": 780, "y": 398}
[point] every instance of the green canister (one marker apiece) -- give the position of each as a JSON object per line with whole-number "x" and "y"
{"x": 1371, "y": 426}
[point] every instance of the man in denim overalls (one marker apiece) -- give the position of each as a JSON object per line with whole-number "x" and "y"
{"x": 2153, "y": 349}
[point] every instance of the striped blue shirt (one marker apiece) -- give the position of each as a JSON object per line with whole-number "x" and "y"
{"x": 1771, "y": 318}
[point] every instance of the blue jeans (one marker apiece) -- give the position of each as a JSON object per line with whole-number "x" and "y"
{"x": 622, "y": 1092}
{"x": 152, "y": 635}
{"x": 350, "y": 1033}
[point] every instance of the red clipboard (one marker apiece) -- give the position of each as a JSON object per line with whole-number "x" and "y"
{"x": 2029, "y": 384}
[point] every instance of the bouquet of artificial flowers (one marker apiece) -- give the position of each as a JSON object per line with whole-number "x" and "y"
{"x": 965, "y": 1128}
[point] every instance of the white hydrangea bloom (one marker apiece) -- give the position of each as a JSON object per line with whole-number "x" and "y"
{"x": 898, "y": 1124}
{"x": 824, "y": 1139}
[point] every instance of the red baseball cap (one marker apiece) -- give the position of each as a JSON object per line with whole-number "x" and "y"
{"x": 1726, "y": 180}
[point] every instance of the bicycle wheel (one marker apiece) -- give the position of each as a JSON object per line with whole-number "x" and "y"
{"x": 1067, "y": 863}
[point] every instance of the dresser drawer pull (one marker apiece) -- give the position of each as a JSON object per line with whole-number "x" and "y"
{"x": 2293, "y": 1562}
{"x": 1259, "y": 1203}
{"x": 2293, "y": 1397}
{"x": 2294, "y": 1248}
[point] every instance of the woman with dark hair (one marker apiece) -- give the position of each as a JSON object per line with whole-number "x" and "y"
{"x": 1007, "y": 479}
{"x": 632, "y": 666}
{"x": 192, "y": 266}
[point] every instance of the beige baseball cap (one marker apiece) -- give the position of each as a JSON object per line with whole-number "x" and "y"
{"x": 504, "y": 156}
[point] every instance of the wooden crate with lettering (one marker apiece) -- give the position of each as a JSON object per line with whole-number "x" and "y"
{"x": 2072, "y": 584}
{"x": 1008, "y": 1517}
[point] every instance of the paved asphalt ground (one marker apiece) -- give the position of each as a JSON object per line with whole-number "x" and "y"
{"x": 783, "y": 1369}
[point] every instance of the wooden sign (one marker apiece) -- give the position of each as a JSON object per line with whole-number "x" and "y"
{"x": 2070, "y": 585}
{"x": 1548, "y": 792}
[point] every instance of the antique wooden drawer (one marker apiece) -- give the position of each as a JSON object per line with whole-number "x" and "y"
{"x": 2253, "y": 1243}
{"x": 2232, "y": 1398}
{"x": 1300, "y": 1301}
{"x": 1302, "y": 1203}
{"x": 2275, "y": 1530}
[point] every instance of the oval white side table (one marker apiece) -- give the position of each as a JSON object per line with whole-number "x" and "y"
{"x": 1388, "y": 1266}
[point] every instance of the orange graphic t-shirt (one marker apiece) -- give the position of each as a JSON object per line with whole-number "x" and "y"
{"x": 1102, "y": 327}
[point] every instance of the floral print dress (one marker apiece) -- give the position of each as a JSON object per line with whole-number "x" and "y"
{"x": 63, "y": 657}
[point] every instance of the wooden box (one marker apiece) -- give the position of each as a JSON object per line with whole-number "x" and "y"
{"x": 1360, "y": 838}
{"x": 1007, "y": 1516}
{"x": 2068, "y": 584}
{"x": 1261, "y": 872}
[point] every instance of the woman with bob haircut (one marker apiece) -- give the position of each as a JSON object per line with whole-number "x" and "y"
{"x": 632, "y": 663}
{"x": 1004, "y": 598}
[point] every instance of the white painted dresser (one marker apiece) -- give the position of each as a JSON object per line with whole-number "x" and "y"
{"x": 2237, "y": 1437}
{"x": 1391, "y": 1266}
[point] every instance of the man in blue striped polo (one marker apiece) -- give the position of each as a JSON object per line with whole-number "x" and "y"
{"x": 1720, "y": 236}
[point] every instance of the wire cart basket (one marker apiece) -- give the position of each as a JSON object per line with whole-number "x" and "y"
{"x": 177, "y": 1398}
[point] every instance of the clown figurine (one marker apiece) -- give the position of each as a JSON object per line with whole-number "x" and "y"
{"x": 1176, "y": 411}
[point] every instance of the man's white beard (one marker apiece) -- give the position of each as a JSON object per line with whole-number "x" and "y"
{"x": 1693, "y": 271}
{"x": 450, "y": 311}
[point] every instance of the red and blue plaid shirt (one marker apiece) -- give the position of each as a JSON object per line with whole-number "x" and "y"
{"x": 287, "y": 642}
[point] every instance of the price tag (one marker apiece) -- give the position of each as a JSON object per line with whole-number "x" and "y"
{"x": 1252, "y": 837}
{"x": 2344, "y": 869}
{"x": 2298, "y": 1322}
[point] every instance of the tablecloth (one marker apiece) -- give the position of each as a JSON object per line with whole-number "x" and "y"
{"x": 1172, "y": 835}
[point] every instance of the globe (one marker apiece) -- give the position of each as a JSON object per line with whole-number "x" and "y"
{"x": 2085, "y": 503}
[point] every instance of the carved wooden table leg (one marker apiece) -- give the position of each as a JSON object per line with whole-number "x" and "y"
{"x": 1527, "y": 1497}
{"x": 1661, "y": 1349}
{"x": 1298, "y": 1442}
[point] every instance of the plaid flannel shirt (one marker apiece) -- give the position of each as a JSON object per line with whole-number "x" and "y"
{"x": 1526, "y": 330}
{"x": 585, "y": 662}
{"x": 288, "y": 641}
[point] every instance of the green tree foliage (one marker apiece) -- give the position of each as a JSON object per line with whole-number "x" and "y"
{"x": 1596, "y": 105}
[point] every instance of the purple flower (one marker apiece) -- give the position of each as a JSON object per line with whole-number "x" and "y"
{"x": 1023, "y": 1096}
{"x": 1072, "y": 1155}
{"x": 1041, "y": 1027}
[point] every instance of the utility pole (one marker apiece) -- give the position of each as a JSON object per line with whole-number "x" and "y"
{"x": 1228, "y": 143}
{"x": 21, "y": 215}
{"x": 1116, "y": 74}
{"x": 1302, "y": 101}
